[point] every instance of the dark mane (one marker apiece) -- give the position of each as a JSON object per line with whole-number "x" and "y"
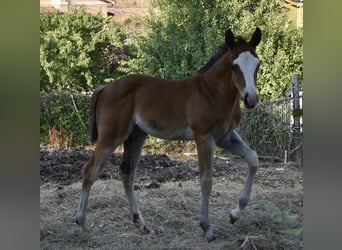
{"x": 221, "y": 50}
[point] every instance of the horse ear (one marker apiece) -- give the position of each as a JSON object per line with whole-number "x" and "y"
{"x": 230, "y": 39}
{"x": 256, "y": 38}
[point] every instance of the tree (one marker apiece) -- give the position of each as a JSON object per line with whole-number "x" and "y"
{"x": 73, "y": 50}
{"x": 182, "y": 35}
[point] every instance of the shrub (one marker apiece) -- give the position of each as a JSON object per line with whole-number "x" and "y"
{"x": 76, "y": 51}
{"x": 64, "y": 120}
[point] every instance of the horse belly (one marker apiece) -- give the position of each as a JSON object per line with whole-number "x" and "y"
{"x": 164, "y": 131}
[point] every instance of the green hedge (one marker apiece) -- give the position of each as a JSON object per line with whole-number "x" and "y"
{"x": 64, "y": 120}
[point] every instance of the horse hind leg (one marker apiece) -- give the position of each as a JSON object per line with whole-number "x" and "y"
{"x": 237, "y": 146}
{"x": 91, "y": 171}
{"x": 128, "y": 167}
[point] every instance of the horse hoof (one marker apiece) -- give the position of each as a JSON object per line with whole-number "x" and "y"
{"x": 80, "y": 222}
{"x": 232, "y": 219}
{"x": 80, "y": 225}
{"x": 210, "y": 237}
{"x": 147, "y": 230}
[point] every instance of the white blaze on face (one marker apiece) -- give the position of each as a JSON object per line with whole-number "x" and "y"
{"x": 248, "y": 64}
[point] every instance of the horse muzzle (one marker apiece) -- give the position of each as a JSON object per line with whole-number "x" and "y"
{"x": 250, "y": 100}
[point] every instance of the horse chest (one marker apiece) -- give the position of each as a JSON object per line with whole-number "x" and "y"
{"x": 225, "y": 127}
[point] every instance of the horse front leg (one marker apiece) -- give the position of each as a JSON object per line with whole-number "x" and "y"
{"x": 205, "y": 146}
{"x": 236, "y": 145}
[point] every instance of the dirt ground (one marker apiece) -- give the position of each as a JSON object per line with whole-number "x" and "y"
{"x": 168, "y": 191}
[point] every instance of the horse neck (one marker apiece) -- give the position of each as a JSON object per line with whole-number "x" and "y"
{"x": 220, "y": 76}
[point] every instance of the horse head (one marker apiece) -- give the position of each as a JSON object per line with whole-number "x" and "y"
{"x": 244, "y": 65}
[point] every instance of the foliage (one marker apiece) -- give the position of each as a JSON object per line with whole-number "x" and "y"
{"x": 159, "y": 146}
{"x": 297, "y": 112}
{"x": 73, "y": 50}
{"x": 183, "y": 35}
{"x": 78, "y": 51}
{"x": 63, "y": 120}
{"x": 282, "y": 56}
{"x": 285, "y": 219}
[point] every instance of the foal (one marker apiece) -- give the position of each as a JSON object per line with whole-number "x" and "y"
{"x": 204, "y": 108}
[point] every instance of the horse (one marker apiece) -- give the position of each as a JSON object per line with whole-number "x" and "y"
{"x": 204, "y": 107}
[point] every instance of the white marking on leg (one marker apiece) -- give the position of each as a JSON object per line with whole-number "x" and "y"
{"x": 236, "y": 212}
{"x": 252, "y": 159}
{"x": 81, "y": 210}
{"x": 253, "y": 163}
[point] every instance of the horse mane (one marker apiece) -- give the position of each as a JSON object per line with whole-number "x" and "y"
{"x": 221, "y": 50}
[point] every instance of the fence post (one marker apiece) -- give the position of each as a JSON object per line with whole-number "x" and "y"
{"x": 296, "y": 119}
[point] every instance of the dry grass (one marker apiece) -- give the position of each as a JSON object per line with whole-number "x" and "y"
{"x": 173, "y": 211}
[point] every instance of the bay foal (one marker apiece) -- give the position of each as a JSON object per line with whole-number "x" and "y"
{"x": 204, "y": 108}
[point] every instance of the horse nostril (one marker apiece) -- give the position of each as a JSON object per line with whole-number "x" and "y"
{"x": 250, "y": 101}
{"x": 245, "y": 98}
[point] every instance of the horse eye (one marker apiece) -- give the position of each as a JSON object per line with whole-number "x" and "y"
{"x": 235, "y": 67}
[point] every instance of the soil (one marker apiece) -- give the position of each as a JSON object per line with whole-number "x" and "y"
{"x": 61, "y": 175}
{"x": 65, "y": 166}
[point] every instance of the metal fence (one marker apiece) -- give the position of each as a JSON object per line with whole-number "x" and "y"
{"x": 275, "y": 128}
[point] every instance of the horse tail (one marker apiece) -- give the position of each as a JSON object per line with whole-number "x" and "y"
{"x": 92, "y": 113}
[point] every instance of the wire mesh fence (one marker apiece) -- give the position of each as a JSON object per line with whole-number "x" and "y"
{"x": 275, "y": 128}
